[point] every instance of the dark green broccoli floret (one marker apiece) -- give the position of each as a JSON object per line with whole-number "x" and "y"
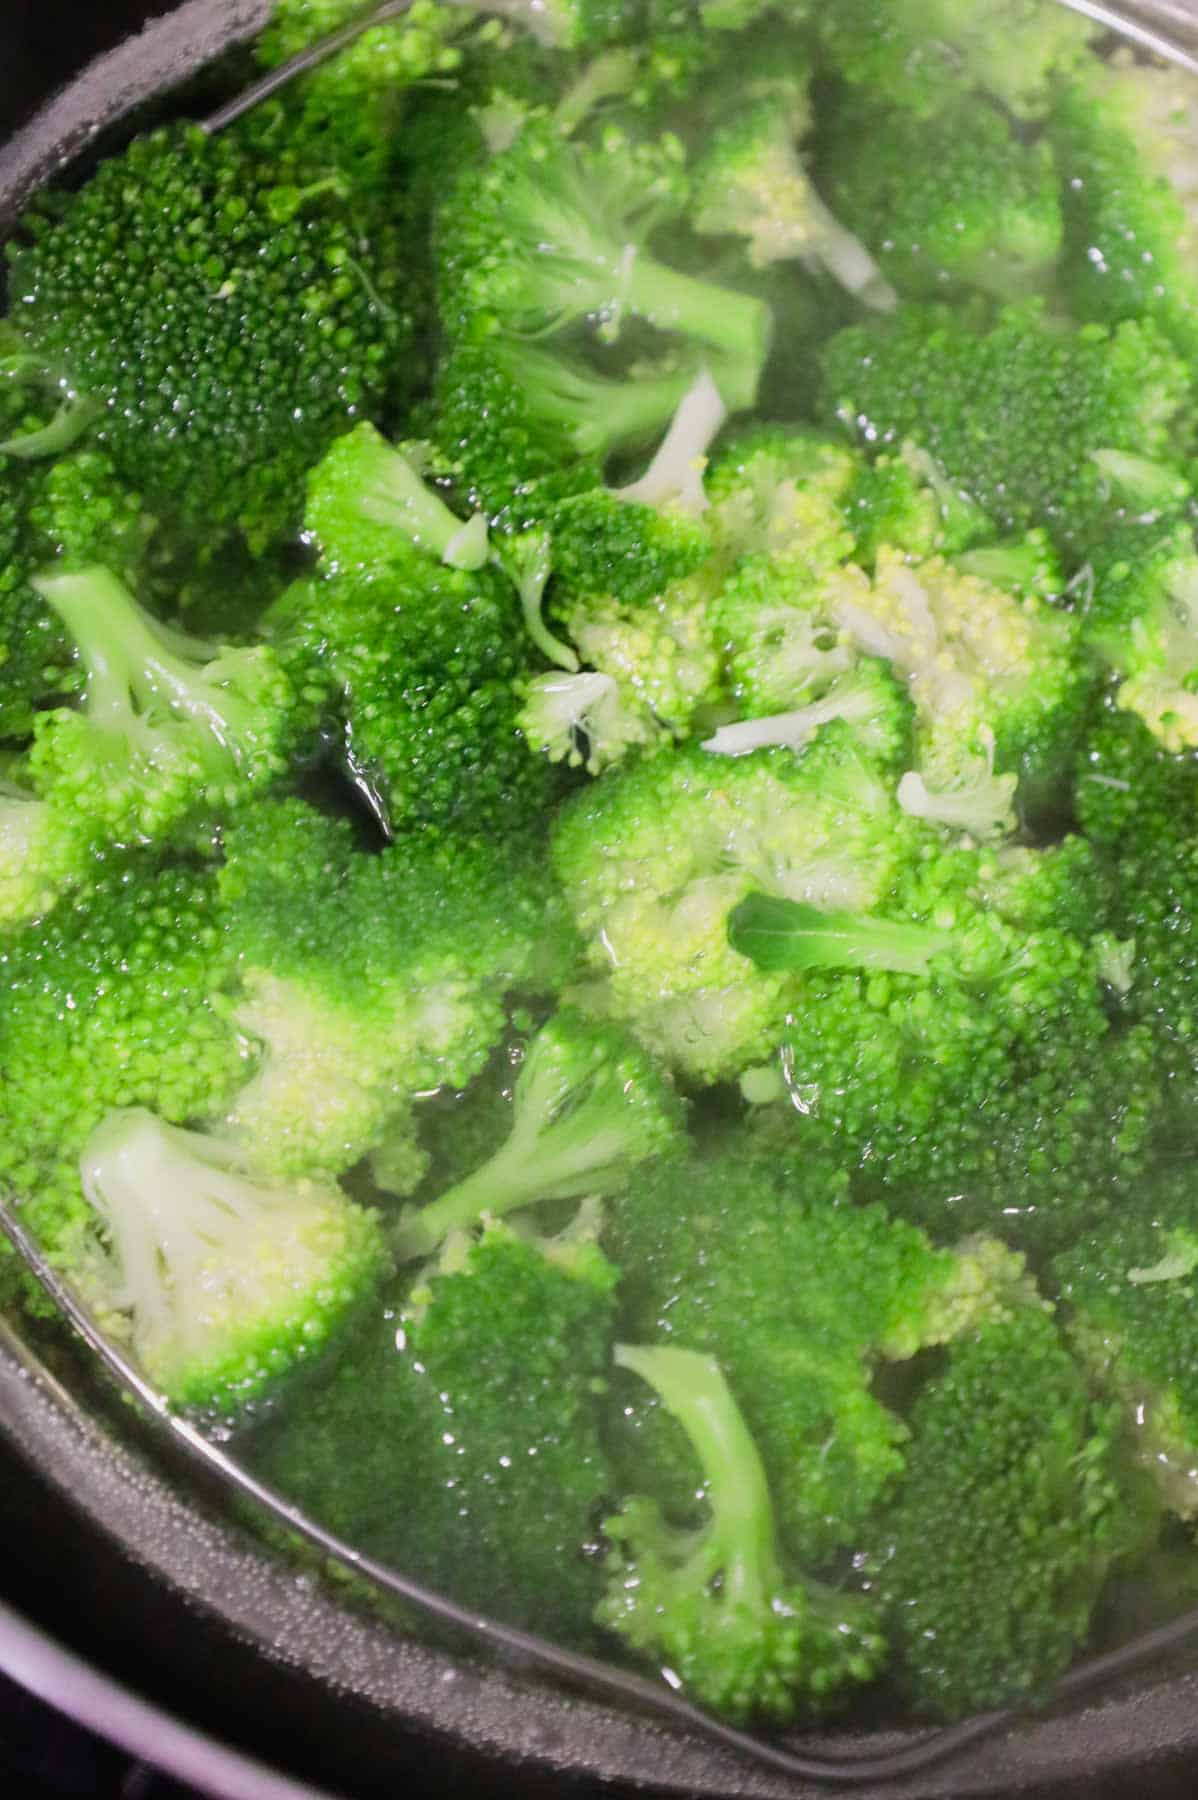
{"x": 459, "y": 1439}
{"x": 283, "y": 319}
{"x": 105, "y": 1005}
{"x": 1021, "y": 416}
{"x": 589, "y": 1107}
{"x": 751, "y": 1251}
{"x": 713, "y": 1604}
{"x": 223, "y": 1283}
{"x": 914, "y": 52}
{"x": 955, "y": 201}
{"x": 1127, "y": 1295}
{"x": 1125, "y": 134}
{"x": 1006, "y": 1524}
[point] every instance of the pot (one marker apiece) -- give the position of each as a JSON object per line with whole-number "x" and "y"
{"x": 276, "y": 1659}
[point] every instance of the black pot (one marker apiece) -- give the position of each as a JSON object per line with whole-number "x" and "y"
{"x": 164, "y": 1588}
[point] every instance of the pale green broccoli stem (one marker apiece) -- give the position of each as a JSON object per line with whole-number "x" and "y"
{"x": 606, "y": 77}
{"x": 128, "y": 653}
{"x": 736, "y": 326}
{"x": 675, "y": 476}
{"x": 850, "y": 700}
{"x": 573, "y": 1128}
{"x": 780, "y": 934}
{"x": 529, "y": 563}
{"x": 740, "y": 1543}
{"x": 597, "y": 415}
{"x": 1140, "y": 480}
{"x": 1178, "y": 1262}
{"x": 394, "y": 495}
{"x": 73, "y": 417}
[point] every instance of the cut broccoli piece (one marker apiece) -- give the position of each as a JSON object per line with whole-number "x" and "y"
{"x": 750, "y": 1251}
{"x": 714, "y": 1604}
{"x": 589, "y": 1107}
{"x": 954, "y": 201}
{"x": 242, "y": 247}
{"x": 1016, "y": 414}
{"x": 916, "y": 51}
{"x": 1008, "y": 1519}
{"x": 227, "y": 1283}
{"x": 459, "y": 1438}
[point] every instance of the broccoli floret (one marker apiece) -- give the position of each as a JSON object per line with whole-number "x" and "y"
{"x": 420, "y": 641}
{"x": 1016, "y": 415}
{"x": 147, "y": 284}
{"x": 345, "y": 112}
{"x": 105, "y": 1006}
{"x": 226, "y": 1283}
{"x": 459, "y": 1438}
{"x": 916, "y": 51}
{"x": 1125, "y": 134}
{"x": 954, "y": 201}
{"x": 549, "y": 233}
{"x": 948, "y": 1061}
{"x": 1127, "y": 1294}
{"x": 1140, "y": 615}
{"x": 588, "y": 1108}
{"x": 171, "y": 731}
{"x": 1008, "y": 1519}
{"x": 995, "y": 679}
{"x": 1134, "y": 799}
{"x": 750, "y": 1251}
{"x": 778, "y": 489}
{"x": 653, "y": 858}
{"x": 367, "y": 980}
{"x": 713, "y": 1604}
{"x": 749, "y": 180}
{"x": 521, "y": 427}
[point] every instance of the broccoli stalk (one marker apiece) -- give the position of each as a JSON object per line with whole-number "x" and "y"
{"x": 675, "y": 476}
{"x": 227, "y": 1282}
{"x": 869, "y": 697}
{"x": 589, "y": 1106}
{"x": 714, "y": 1604}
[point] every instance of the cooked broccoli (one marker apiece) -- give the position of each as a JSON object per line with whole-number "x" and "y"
{"x": 589, "y": 1107}
{"x": 1127, "y": 1298}
{"x": 953, "y": 202}
{"x": 364, "y": 981}
{"x": 750, "y": 1251}
{"x": 1007, "y": 1521}
{"x": 105, "y": 1006}
{"x": 1017, "y": 414}
{"x": 459, "y": 1438}
{"x": 750, "y": 182}
{"x": 653, "y": 858}
{"x": 1125, "y": 133}
{"x": 713, "y": 1603}
{"x": 1140, "y": 615}
{"x": 227, "y": 1282}
{"x": 419, "y": 639}
{"x": 915, "y": 52}
{"x": 147, "y": 285}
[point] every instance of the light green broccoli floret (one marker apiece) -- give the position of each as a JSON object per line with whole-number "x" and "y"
{"x": 589, "y": 1107}
{"x": 713, "y": 1604}
{"x": 654, "y": 857}
{"x": 226, "y": 1282}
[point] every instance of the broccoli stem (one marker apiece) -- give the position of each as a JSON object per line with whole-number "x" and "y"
{"x": 396, "y": 497}
{"x": 779, "y": 934}
{"x": 736, "y": 325}
{"x": 693, "y": 1389}
{"x": 596, "y": 415}
{"x": 676, "y": 472}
